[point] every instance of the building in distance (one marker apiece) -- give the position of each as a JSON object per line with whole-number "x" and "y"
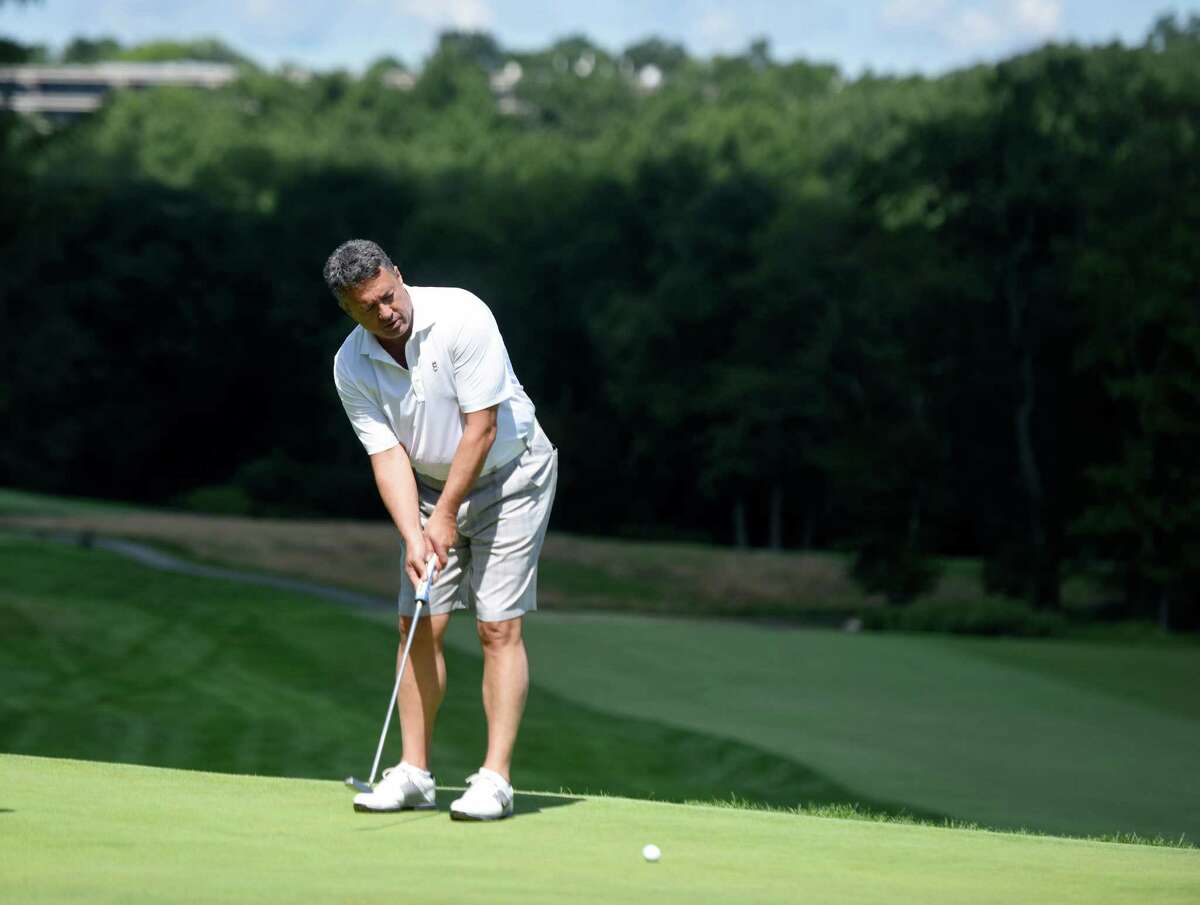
{"x": 60, "y": 93}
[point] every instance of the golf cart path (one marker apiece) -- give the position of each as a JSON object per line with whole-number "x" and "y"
{"x": 157, "y": 559}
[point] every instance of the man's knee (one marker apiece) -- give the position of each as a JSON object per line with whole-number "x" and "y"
{"x": 430, "y": 631}
{"x": 499, "y": 635}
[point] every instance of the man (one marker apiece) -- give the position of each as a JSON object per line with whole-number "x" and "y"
{"x": 468, "y": 475}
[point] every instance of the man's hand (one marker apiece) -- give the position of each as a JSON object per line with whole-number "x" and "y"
{"x": 416, "y": 553}
{"x": 441, "y": 533}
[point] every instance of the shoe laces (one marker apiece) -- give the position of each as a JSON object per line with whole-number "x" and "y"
{"x": 483, "y": 777}
{"x": 405, "y": 769}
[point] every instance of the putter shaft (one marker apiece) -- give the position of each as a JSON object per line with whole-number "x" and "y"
{"x": 422, "y": 598}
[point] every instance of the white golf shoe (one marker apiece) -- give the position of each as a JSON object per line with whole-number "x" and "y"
{"x": 488, "y": 797}
{"x": 403, "y": 788}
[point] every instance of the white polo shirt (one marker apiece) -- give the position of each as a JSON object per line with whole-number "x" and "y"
{"x": 457, "y": 363}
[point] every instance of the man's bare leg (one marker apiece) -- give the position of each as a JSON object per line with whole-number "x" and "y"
{"x": 505, "y": 687}
{"x": 423, "y": 685}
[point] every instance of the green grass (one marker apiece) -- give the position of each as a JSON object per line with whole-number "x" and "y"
{"x": 1162, "y": 674}
{"x": 104, "y": 833}
{"x": 19, "y": 502}
{"x": 853, "y": 811}
{"x": 116, "y": 662}
{"x": 934, "y": 723}
{"x": 108, "y": 660}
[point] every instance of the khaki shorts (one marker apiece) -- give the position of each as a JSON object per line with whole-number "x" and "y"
{"x": 501, "y": 526}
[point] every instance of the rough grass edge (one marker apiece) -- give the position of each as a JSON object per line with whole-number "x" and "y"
{"x": 853, "y": 811}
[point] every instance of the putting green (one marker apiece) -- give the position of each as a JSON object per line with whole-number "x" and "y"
{"x": 76, "y": 831}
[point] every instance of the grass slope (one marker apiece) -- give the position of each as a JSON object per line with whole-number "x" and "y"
{"x": 119, "y": 662}
{"x": 923, "y": 720}
{"x": 104, "y": 833}
{"x": 107, "y": 660}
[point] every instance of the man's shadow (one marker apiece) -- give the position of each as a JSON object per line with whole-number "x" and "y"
{"x": 533, "y": 802}
{"x": 524, "y": 803}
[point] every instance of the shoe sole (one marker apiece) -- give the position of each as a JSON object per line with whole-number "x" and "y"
{"x": 459, "y": 815}
{"x": 364, "y": 809}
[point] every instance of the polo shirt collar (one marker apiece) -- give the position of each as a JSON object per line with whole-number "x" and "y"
{"x": 424, "y": 315}
{"x": 424, "y": 310}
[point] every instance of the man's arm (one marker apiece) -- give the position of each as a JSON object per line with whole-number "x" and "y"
{"x": 479, "y": 433}
{"x": 398, "y": 490}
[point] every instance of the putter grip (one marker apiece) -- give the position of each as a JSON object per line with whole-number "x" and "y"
{"x": 427, "y": 581}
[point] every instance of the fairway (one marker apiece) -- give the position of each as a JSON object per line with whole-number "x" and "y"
{"x": 84, "y": 832}
{"x": 211, "y": 674}
{"x": 930, "y": 723}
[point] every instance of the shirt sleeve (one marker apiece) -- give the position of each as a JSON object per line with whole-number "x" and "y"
{"x": 365, "y": 415}
{"x": 480, "y": 361}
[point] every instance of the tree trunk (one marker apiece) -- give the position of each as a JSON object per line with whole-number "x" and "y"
{"x": 914, "y": 512}
{"x": 775, "y": 518}
{"x": 1031, "y": 476}
{"x": 1044, "y": 585}
{"x": 740, "y": 538}
{"x": 914, "y": 522}
{"x": 810, "y": 528}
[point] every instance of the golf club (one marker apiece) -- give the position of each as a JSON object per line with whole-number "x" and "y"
{"x": 422, "y": 599}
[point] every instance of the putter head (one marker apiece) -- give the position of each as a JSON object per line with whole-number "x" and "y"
{"x": 358, "y": 784}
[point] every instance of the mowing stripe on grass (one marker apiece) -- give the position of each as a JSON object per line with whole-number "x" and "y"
{"x": 910, "y": 719}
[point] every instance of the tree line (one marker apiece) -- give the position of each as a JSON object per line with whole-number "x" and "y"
{"x": 756, "y": 302}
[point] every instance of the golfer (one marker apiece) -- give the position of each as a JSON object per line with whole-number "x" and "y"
{"x": 468, "y": 475}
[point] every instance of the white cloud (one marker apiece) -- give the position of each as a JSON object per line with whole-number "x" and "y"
{"x": 468, "y": 15}
{"x": 976, "y": 24}
{"x": 257, "y": 10}
{"x": 718, "y": 28}
{"x": 1041, "y": 17}
{"x": 912, "y": 12}
{"x": 975, "y": 28}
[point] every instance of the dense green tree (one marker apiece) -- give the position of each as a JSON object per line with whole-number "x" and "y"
{"x": 212, "y": 50}
{"x": 1000, "y": 189}
{"x": 1138, "y": 272}
{"x": 758, "y": 302}
{"x": 91, "y": 50}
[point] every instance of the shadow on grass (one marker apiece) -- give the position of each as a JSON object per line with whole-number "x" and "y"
{"x": 533, "y": 802}
{"x": 524, "y": 804}
{"x": 378, "y": 822}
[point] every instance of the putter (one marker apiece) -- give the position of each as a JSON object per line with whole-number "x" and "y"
{"x": 422, "y": 599}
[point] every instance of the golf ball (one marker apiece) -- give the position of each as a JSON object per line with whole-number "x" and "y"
{"x": 651, "y": 852}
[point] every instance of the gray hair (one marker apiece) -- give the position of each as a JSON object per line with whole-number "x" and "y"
{"x": 352, "y": 263}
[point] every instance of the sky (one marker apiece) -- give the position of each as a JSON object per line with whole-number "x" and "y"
{"x": 883, "y": 36}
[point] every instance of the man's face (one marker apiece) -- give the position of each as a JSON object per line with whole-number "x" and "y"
{"x": 381, "y": 304}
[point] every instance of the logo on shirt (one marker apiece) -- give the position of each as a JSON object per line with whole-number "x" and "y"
{"x": 435, "y": 366}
